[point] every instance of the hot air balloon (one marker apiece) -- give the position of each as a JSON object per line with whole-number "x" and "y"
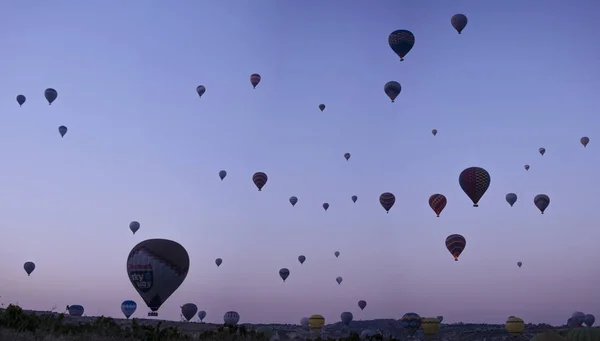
{"x": 526, "y": 167}
{"x": 578, "y": 317}
{"x": 218, "y": 261}
{"x": 387, "y": 201}
{"x": 134, "y": 226}
{"x": 301, "y": 259}
{"x": 541, "y": 201}
{"x": 411, "y": 322}
{"x": 231, "y": 318}
{"x": 336, "y": 254}
{"x": 255, "y": 79}
{"x": 362, "y": 304}
{"x": 515, "y": 326}
{"x": 511, "y": 199}
{"x": 401, "y": 42}
{"x": 584, "y": 140}
{"x": 75, "y": 310}
{"x": 21, "y": 99}
{"x": 260, "y": 180}
{"x": 346, "y": 317}
{"x": 347, "y": 156}
{"x": 50, "y": 95}
{"x": 354, "y": 198}
{"x": 455, "y": 243}
{"x": 542, "y": 151}
{"x": 434, "y": 132}
{"x": 474, "y": 181}
{"x": 284, "y": 273}
{"x": 156, "y": 268}
{"x": 571, "y": 322}
{"x": 128, "y": 308}
{"x": 293, "y": 200}
{"x": 189, "y": 310}
{"x": 583, "y": 334}
{"x": 519, "y": 264}
{"x": 459, "y": 22}
{"x": 589, "y": 320}
{"x": 62, "y": 130}
{"x": 325, "y": 206}
{"x": 201, "y": 315}
{"x": 431, "y": 326}
{"x": 304, "y": 322}
{"x": 392, "y": 89}
{"x": 316, "y": 322}
{"x": 440, "y": 318}
{"x": 322, "y": 107}
{"x": 339, "y": 280}
{"x": 437, "y": 202}
{"x": 222, "y": 174}
{"x": 201, "y": 89}
{"x": 29, "y": 267}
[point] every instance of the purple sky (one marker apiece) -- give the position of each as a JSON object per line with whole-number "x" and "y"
{"x": 142, "y": 146}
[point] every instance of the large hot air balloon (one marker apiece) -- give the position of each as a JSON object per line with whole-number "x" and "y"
{"x": 511, "y": 199}
{"x": 222, "y": 174}
{"x": 304, "y": 322}
{"x": 62, "y": 130}
{"x": 589, "y": 320}
{"x": 201, "y": 315}
{"x": 387, "y": 201}
{"x": 325, "y": 206}
{"x": 455, "y": 243}
{"x": 411, "y": 322}
{"x": 293, "y": 200}
{"x": 75, "y": 310}
{"x": 440, "y": 318}
{"x": 474, "y": 181}
{"x": 437, "y": 202}
{"x": 401, "y": 42}
{"x": 189, "y": 310}
{"x": 336, "y": 254}
{"x": 255, "y": 79}
{"x": 515, "y": 326}
{"x": 128, "y": 308}
{"x": 346, "y": 317}
{"x": 362, "y": 304}
{"x": 21, "y": 99}
{"x": 519, "y": 264}
{"x": 231, "y": 318}
{"x": 201, "y": 89}
{"x": 526, "y": 167}
{"x": 542, "y": 151}
{"x": 29, "y": 267}
{"x": 260, "y": 180}
{"x": 50, "y": 95}
{"x": 434, "y": 132}
{"x": 431, "y": 326}
{"x": 134, "y": 226}
{"x": 541, "y": 201}
{"x": 347, "y": 156}
{"x": 284, "y": 273}
{"x": 316, "y": 322}
{"x": 218, "y": 261}
{"x": 392, "y": 89}
{"x": 354, "y": 198}
{"x": 339, "y": 280}
{"x": 322, "y": 107}
{"x": 301, "y": 259}
{"x": 156, "y": 268}
{"x": 584, "y": 140}
{"x": 459, "y": 22}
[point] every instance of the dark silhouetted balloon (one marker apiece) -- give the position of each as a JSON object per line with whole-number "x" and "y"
{"x": 134, "y": 226}
{"x": 201, "y": 89}
{"x": 218, "y": 261}
{"x": 201, "y": 315}
{"x": 284, "y": 273}
{"x": 255, "y": 79}
{"x": 459, "y": 22}
{"x": 387, "y": 201}
{"x": 50, "y": 95}
{"x": 322, "y": 107}
{"x": 325, "y": 206}
{"x": 75, "y": 310}
{"x": 437, "y": 202}
{"x": 392, "y": 89}
{"x": 29, "y": 267}
{"x": 222, "y": 174}
{"x": 301, "y": 259}
{"x": 584, "y": 141}
{"x": 541, "y": 201}
{"x": 189, "y": 310}
{"x": 293, "y": 200}
{"x": 511, "y": 199}
{"x": 354, "y": 198}
{"x": 401, "y": 42}
{"x": 346, "y": 317}
{"x": 455, "y": 243}
{"x": 474, "y": 181}
{"x": 362, "y": 304}
{"x": 21, "y": 99}
{"x": 62, "y": 130}
{"x": 260, "y": 180}
{"x": 128, "y": 308}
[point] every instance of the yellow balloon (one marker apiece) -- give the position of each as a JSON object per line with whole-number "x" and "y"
{"x": 316, "y": 322}
{"x": 431, "y": 326}
{"x": 515, "y": 326}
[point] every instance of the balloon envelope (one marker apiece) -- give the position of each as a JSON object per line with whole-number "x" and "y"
{"x": 222, "y": 174}
{"x": 128, "y": 308}
{"x": 189, "y": 310}
{"x": 134, "y": 226}
{"x": 316, "y": 322}
{"x": 293, "y": 201}
{"x": 50, "y": 95}
{"x": 301, "y": 259}
{"x": 76, "y": 310}
{"x": 346, "y": 317}
{"x": 459, "y": 22}
{"x": 511, "y": 199}
{"x": 21, "y": 99}
{"x": 401, "y": 42}
{"x": 62, "y": 130}
{"x": 515, "y": 326}
{"x": 218, "y": 261}
{"x": 284, "y": 274}
{"x": 362, "y": 304}
{"x": 29, "y": 267}
{"x": 231, "y": 318}
{"x": 201, "y": 315}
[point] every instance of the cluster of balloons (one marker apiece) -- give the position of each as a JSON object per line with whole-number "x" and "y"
{"x": 578, "y": 318}
{"x": 51, "y": 95}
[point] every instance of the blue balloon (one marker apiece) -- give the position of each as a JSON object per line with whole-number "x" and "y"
{"x": 75, "y": 310}
{"x": 128, "y": 308}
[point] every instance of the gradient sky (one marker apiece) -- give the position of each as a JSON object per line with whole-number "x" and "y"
{"x": 142, "y": 146}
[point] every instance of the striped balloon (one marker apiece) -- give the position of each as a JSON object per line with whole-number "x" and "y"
{"x": 411, "y": 322}
{"x": 437, "y": 202}
{"x": 316, "y": 322}
{"x": 431, "y": 326}
{"x": 255, "y": 79}
{"x": 260, "y": 180}
{"x": 455, "y": 243}
{"x": 387, "y": 201}
{"x": 231, "y": 318}
{"x": 541, "y": 201}
{"x": 459, "y": 22}
{"x": 515, "y": 326}
{"x": 474, "y": 181}
{"x": 401, "y": 42}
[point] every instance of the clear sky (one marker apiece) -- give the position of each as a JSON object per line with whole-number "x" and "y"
{"x": 143, "y": 146}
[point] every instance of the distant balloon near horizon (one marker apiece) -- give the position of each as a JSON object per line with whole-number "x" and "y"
{"x": 301, "y": 259}
{"x": 62, "y": 130}
{"x": 231, "y": 318}
{"x": 401, "y": 42}
{"x": 134, "y": 226}
{"x": 362, "y": 304}
{"x": 304, "y": 322}
{"x": 347, "y": 156}
{"x": 75, "y": 310}
{"x": 21, "y": 100}
{"x": 322, "y": 107}
{"x": 411, "y": 323}
{"x": 430, "y": 327}
{"x": 201, "y": 315}
{"x": 260, "y": 180}
{"x": 474, "y": 181}
{"x": 542, "y": 151}
{"x": 459, "y": 22}
{"x": 354, "y": 198}
{"x": 128, "y": 308}
{"x": 584, "y": 141}
{"x": 29, "y": 267}
{"x": 222, "y": 174}
{"x": 440, "y": 318}
{"x": 392, "y": 89}
{"x": 189, "y": 310}
{"x": 50, "y": 95}
{"x": 200, "y": 90}
{"x": 336, "y": 254}
{"x": 346, "y": 318}
{"x": 515, "y": 326}
{"x": 218, "y": 262}
{"x": 255, "y": 79}
{"x": 434, "y": 132}
{"x": 589, "y": 320}
{"x": 316, "y": 322}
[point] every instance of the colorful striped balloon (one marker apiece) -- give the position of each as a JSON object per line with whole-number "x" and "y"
{"x": 260, "y": 180}
{"x": 455, "y": 243}
{"x": 437, "y": 202}
{"x": 474, "y": 181}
